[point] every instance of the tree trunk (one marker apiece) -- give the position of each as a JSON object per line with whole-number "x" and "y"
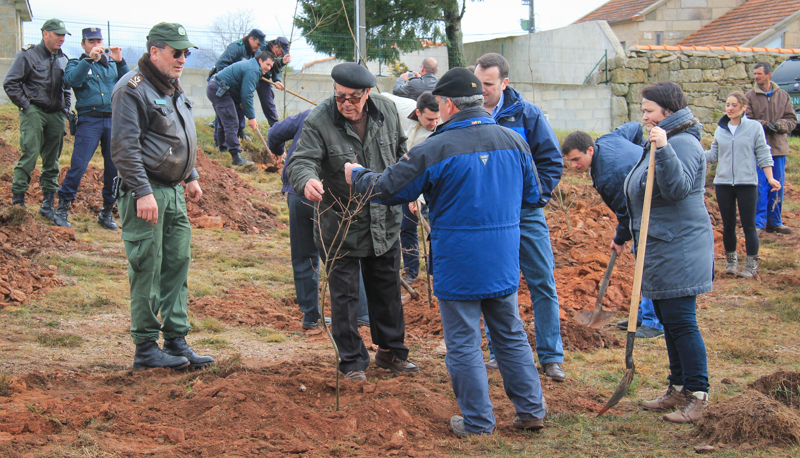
{"x": 455, "y": 36}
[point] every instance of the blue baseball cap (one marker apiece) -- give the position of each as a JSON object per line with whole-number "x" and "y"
{"x": 256, "y": 33}
{"x": 92, "y": 33}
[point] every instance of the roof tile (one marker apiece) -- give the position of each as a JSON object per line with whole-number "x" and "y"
{"x": 742, "y": 23}
{"x": 617, "y": 11}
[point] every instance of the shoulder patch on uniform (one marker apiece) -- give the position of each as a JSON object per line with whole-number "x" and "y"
{"x": 28, "y": 47}
{"x": 134, "y": 82}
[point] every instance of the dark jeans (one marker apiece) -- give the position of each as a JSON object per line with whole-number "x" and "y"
{"x": 91, "y": 131}
{"x": 240, "y": 134}
{"x": 685, "y": 346}
{"x": 305, "y": 260}
{"x": 382, "y": 285}
{"x": 747, "y": 197}
{"x": 267, "y": 98}
{"x": 409, "y": 240}
{"x": 227, "y": 118}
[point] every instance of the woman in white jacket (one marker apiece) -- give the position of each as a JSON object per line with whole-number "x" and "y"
{"x": 739, "y": 147}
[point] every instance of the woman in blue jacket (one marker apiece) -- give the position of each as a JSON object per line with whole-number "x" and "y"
{"x": 737, "y": 142}
{"x": 679, "y": 260}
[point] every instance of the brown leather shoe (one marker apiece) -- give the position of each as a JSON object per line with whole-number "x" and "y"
{"x": 554, "y": 372}
{"x": 388, "y": 360}
{"x": 528, "y": 425}
{"x": 691, "y": 410}
{"x": 671, "y": 399}
{"x": 355, "y": 375}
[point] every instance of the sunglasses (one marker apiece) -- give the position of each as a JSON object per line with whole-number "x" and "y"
{"x": 178, "y": 52}
{"x": 352, "y": 100}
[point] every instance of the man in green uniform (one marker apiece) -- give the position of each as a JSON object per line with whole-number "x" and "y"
{"x": 154, "y": 146}
{"x": 35, "y": 83}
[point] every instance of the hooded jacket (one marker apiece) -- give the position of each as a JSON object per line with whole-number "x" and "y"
{"x": 475, "y": 176}
{"x": 36, "y": 76}
{"x": 679, "y": 259}
{"x": 527, "y": 119}
{"x": 615, "y": 154}
{"x": 327, "y": 142}
{"x": 739, "y": 153}
{"x": 153, "y": 138}
{"x": 775, "y": 108}
{"x": 93, "y": 82}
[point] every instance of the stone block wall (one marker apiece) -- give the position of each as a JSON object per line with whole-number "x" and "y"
{"x": 707, "y": 77}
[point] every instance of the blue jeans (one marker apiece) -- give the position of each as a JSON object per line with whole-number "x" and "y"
{"x": 537, "y": 264}
{"x": 768, "y": 212}
{"x": 647, "y": 313}
{"x": 685, "y": 346}
{"x": 305, "y": 261}
{"x": 91, "y": 131}
{"x": 462, "y": 335}
{"x": 409, "y": 240}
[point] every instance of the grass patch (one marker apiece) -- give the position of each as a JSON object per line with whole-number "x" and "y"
{"x": 270, "y": 335}
{"x": 211, "y": 325}
{"x": 14, "y": 215}
{"x": 5, "y": 386}
{"x": 787, "y": 307}
{"x": 746, "y": 351}
{"x": 776, "y": 263}
{"x": 60, "y": 340}
{"x": 215, "y": 342}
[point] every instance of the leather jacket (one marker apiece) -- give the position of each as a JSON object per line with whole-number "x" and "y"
{"x": 153, "y": 137}
{"x": 37, "y": 77}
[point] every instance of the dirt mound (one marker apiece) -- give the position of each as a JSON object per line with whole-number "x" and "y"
{"x": 750, "y": 418}
{"x": 21, "y": 238}
{"x": 286, "y": 408}
{"x": 782, "y": 386}
{"x": 250, "y": 307}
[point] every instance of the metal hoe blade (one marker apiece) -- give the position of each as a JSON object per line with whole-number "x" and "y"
{"x": 597, "y": 318}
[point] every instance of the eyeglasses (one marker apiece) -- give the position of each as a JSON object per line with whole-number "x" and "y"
{"x": 353, "y": 99}
{"x": 178, "y": 52}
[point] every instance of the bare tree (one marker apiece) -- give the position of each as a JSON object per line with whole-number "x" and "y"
{"x": 226, "y": 29}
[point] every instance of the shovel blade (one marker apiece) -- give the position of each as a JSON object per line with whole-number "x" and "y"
{"x": 622, "y": 388}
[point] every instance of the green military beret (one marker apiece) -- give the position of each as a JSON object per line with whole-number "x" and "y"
{"x": 172, "y": 34}
{"x": 56, "y": 26}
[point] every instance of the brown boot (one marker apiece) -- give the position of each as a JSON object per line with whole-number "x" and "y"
{"x": 691, "y": 410}
{"x": 671, "y": 399}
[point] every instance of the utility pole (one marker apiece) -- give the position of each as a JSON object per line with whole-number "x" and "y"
{"x": 531, "y": 26}
{"x": 361, "y": 31}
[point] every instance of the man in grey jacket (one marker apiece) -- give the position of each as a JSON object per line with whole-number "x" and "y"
{"x": 35, "y": 84}
{"x": 154, "y": 146}
{"x": 412, "y": 86}
{"x": 353, "y": 234}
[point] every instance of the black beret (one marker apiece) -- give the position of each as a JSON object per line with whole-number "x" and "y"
{"x": 458, "y": 82}
{"x": 353, "y": 76}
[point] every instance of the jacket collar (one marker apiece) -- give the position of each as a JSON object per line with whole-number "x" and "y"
{"x": 372, "y": 111}
{"x": 758, "y": 89}
{"x": 456, "y": 119}
{"x": 41, "y": 48}
{"x": 512, "y": 103}
{"x": 151, "y": 73}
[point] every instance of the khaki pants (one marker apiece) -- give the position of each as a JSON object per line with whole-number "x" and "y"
{"x": 158, "y": 264}
{"x": 41, "y": 134}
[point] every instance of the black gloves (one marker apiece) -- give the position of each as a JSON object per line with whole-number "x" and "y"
{"x": 771, "y": 127}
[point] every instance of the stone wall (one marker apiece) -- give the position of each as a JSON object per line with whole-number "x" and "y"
{"x": 707, "y": 77}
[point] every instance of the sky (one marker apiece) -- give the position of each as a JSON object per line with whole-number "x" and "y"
{"x": 483, "y": 20}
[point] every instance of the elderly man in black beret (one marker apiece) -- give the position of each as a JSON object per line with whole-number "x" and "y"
{"x": 355, "y": 126}
{"x": 475, "y": 176}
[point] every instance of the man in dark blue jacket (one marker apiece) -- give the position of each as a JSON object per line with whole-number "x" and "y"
{"x": 511, "y": 110}
{"x": 475, "y": 176}
{"x": 92, "y": 77}
{"x": 280, "y": 48}
{"x": 231, "y": 88}
{"x": 609, "y": 159}
{"x": 305, "y": 255}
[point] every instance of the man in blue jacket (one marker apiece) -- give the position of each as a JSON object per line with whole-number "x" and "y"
{"x": 511, "y": 110}
{"x": 609, "y": 159}
{"x": 305, "y": 255}
{"x": 234, "y": 87}
{"x": 92, "y": 77}
{"x": 475, "y": 177}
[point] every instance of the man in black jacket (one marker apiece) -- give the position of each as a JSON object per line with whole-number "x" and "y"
{"x": 35, "y": 83}
{"x": 412, "y": 86}
{"x": 154, "y": 146}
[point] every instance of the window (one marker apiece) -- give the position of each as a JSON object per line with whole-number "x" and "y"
{"x": 659, "y": 38}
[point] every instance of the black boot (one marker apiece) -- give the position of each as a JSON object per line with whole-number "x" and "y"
{"x": 237, "y": 159}
{"x": 62, "y": 213}
{"x": 48, "y": 206}
{"x": 149, "y": 356}
{"x": 179, "y": 347}
{"x": 105, "y": 218}
{"x": 18, "y": 199}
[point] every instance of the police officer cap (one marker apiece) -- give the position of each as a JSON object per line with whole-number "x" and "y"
{"x": 353, "y": 76}
{"x": 284, "y": 43}
{"x": 255, "y": 33}
{"x": 171, "y": 34}
{"x": 56, "y": 26}
{"x": 92, "y": 33}
{"x": 458, "y": 82}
